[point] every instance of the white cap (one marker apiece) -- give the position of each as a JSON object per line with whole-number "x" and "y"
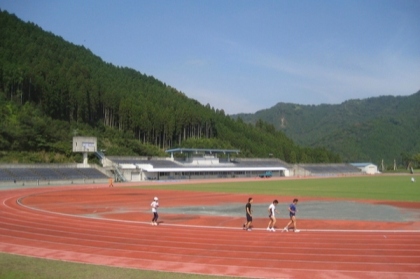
{"x": 156, "y": 199}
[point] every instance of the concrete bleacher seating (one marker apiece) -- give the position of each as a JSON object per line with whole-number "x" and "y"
{"x": 91, "y": 173}
{"x": 192, "y": 167}
{"x": 200, "y": 162}
{"x": 5, "y": 175}
{"x": 165, "y": 164}
{"x": 140, "y": 161}
{"x": 69, "y": 173}
{"x": 259, "y": 163}
{"x": 47, "y": 173}
{"x": 23, "y": 174}
{"x": 42, "y": 173}
{"x": 320, "y": 169}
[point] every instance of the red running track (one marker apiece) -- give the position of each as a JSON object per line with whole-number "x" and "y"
{"x": 109, "y": 226}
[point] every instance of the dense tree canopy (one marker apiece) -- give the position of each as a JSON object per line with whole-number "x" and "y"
{"x": 370, "y": 130}
{"x": 51, "y": 90}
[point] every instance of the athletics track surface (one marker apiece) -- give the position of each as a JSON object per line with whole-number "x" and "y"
{"x": 110, "y": 226}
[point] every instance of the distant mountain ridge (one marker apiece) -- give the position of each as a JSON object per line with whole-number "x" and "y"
{"x": 372, "y": 129}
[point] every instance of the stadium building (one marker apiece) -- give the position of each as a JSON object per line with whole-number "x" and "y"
{"x": 193, "y": 163}
{"x": 181, "y": 164}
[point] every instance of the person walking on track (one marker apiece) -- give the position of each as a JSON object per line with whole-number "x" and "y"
{"x": 247, "y": 225}
{"x": 155, "y": 205}
{"x": 271, "y": 214}
{"x": 292, "y": 213}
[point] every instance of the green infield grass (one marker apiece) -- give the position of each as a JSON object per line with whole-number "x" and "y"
{"x": 21, "y": 267}
{"x": 386, "y": 187}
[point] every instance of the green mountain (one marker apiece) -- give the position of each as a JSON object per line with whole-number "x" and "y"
{"x": 374, "y": 129}
{"x": 51, "y": 90}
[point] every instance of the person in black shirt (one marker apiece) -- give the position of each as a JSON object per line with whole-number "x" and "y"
{"x": 247, "y": 225}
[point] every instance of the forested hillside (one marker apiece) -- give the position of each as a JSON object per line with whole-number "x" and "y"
{"x": 371, "y": 129}
{"x": 51, "y": 90}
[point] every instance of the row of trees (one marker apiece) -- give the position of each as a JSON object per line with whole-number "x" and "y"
{"x": 64, "y": 83}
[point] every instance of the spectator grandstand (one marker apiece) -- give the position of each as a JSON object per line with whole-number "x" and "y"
{"x": 49, "y": 174}
{"x": 197, "y": 164}
{"x": 189, "y": 164}
{"x": 327, "y": 169}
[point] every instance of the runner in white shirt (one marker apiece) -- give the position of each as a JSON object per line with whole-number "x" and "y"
{"x": 155, "y": 205}
{"x": 271, "y": 214}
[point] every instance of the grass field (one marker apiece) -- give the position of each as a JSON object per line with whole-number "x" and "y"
{"x": 392, "y": 187}
{"x": 19, "y": 267}
{"x": 389, "y": 187}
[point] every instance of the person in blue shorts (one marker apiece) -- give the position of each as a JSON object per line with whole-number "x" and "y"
{"x": 247, "y": 225}
{"x": 292, "y": 214}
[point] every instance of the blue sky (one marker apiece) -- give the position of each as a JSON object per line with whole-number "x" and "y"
{"x": 244, "y": 56}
